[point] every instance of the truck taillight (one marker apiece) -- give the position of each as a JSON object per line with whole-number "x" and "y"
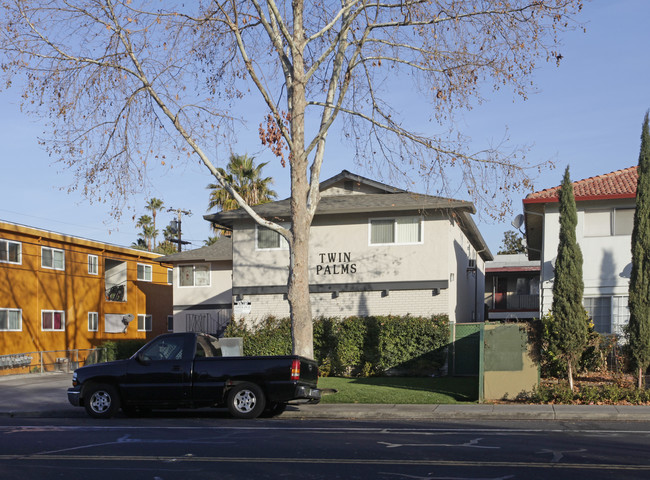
{"x": 295, "y": 370}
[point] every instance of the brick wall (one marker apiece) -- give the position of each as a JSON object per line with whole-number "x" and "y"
{"x": 396, "y": 302}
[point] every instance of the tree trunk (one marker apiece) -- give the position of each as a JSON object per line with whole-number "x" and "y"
{"x": 640, "y": 379}
{"x": 298, "y": 287}
{"x": 570, "y": 375}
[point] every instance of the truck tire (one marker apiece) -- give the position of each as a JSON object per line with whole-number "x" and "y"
{"x": 101, "y": 400}
{"x": 246, "y": 400}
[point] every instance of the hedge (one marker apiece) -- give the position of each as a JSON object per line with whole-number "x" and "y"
{"x": 357, "y": 346}
{"x": 120, "y": 349}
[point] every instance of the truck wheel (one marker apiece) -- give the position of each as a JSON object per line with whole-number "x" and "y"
{"x": 246, "y": 400}
{"x": 101, "y": 400}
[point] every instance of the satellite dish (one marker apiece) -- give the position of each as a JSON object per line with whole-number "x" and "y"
{"x": 126, "y": 319}
{"x": 518, "y": 221}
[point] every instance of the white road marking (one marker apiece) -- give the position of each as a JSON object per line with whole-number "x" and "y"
{"x": 470, "y": 444}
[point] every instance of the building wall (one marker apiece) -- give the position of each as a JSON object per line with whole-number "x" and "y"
{"x": 405, "y": 302}
{"x": 341, "y": 253}
{"x": 204, "y": 308}
{"x": 218, "y": 292}
{"x": 30, "y": 287}
{"x": 468, "y": 285}
{"x": 606, "y": 259}
{"x": 337, "y": 241}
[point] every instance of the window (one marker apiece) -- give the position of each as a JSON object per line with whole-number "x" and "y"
{"x": 604, "y": 223}
{"x": 597, "y": 223}
{"x": 609, "y": 314}
{"x": 164, "y": 348}
{"x": 52, "y": 258}
{"x": 599, "y": 309}
{"x": 93, "y": 321}
{"x": 170, "y": 276}
{"x": 52, "y": 320}
{"x": 401, "y": 230}
{"x": 10, "y": 252}
{"x": 527, "y": 286}
{"x": 267, "y": 239}
{"x": 11, "y": 320}
{"x": 93, "y": 265}
{"x": 194, "y": 275}
{"x": 623, "y": 221}
{"x": 144, "y": 272}
{"x": 620, "y": 314}
{"x": 170, "y": 323}
{"x": 144, "y": 323}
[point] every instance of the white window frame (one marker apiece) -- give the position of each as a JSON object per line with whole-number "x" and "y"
{"x": 618, "y": 314}
{"x": 284, "y": 245}
{"x": 6, "y": 247}
{"x": 145, "y": 268}
{"x": 93, "y": 265}
{"x": 170, "y": 276}
{"x": 145, "y": 319}
{"x": 20, "y": 320}
{"x": 93, "y": 321}
{"x": 62, "y": 329}
{"x": 614, "y": 217}
{"x": 609, "y": 224}
{"x": 53, "y": 251}
{"x": 194, "y": 265}
{"x": 395, "y": 232}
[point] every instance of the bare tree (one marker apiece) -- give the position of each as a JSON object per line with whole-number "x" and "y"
{"x": 117, "y": 79}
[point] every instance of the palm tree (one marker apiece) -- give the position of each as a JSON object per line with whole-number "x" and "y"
{"x": 154, "y": 205}
{"x": 246, "y": 179}
{"x": 148, "y": 230}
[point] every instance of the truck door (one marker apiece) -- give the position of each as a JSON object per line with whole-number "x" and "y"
{"x": 161, "y": 373}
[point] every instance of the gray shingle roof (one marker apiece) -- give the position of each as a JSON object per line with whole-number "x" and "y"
{"x": 219, "y": 250}
{"x": 392, "y": 200}
{"x": 338, "y": 204}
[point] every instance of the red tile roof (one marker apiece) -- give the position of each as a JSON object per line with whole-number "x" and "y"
{"x": 618, "y": 184}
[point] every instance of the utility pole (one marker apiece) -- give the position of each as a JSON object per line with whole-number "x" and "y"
{"x": 176, "y": 224}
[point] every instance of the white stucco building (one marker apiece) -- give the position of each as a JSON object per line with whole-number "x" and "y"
{"x": 374, "y": 250}
{"x": 202, "y": 287}
{"x": 605, "y": 206}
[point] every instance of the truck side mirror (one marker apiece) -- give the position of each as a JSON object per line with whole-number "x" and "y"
{"x": 143, "y": 359}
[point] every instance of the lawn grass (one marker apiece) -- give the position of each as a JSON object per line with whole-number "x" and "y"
{"x": 399, "y": 390}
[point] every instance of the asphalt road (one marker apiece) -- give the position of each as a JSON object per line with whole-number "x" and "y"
{"x": 211, "y": 445}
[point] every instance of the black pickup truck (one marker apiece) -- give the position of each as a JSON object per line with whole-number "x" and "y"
{"x": 190, "y": 370}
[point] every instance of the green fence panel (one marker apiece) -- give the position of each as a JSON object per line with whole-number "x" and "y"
{"x": 465, "y": 341}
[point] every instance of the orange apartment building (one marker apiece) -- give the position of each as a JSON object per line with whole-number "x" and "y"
{"x": 60, "y": 293}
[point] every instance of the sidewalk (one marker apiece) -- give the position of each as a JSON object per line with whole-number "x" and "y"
{"x": 44, "y": 396}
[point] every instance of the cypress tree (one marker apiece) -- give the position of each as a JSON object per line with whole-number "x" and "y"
{"x": 568, "y": 287}
{"x": 639, "y": 300}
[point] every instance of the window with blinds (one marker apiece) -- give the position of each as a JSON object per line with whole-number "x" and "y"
{"x": 400, "y": 230}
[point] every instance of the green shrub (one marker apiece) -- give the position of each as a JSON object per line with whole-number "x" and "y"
{"x": 412, "y": 345}
{"x": 604, "y": 394}
{"x": 357, "y": 346}
{"x": 120, "y": 349}
{"x": 557, "y": 393}
{"x": 272, "y": 336}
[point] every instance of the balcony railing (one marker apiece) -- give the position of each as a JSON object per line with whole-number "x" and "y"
{"x": 513, "y": 302}
{"x": 50, "y": 360}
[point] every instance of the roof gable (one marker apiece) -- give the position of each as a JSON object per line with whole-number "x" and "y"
{"x": 346, "y": 183}
{"x": 618, "y": 184}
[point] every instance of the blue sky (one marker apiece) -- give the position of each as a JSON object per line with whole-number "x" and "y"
{"x": 586, "y": 114}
